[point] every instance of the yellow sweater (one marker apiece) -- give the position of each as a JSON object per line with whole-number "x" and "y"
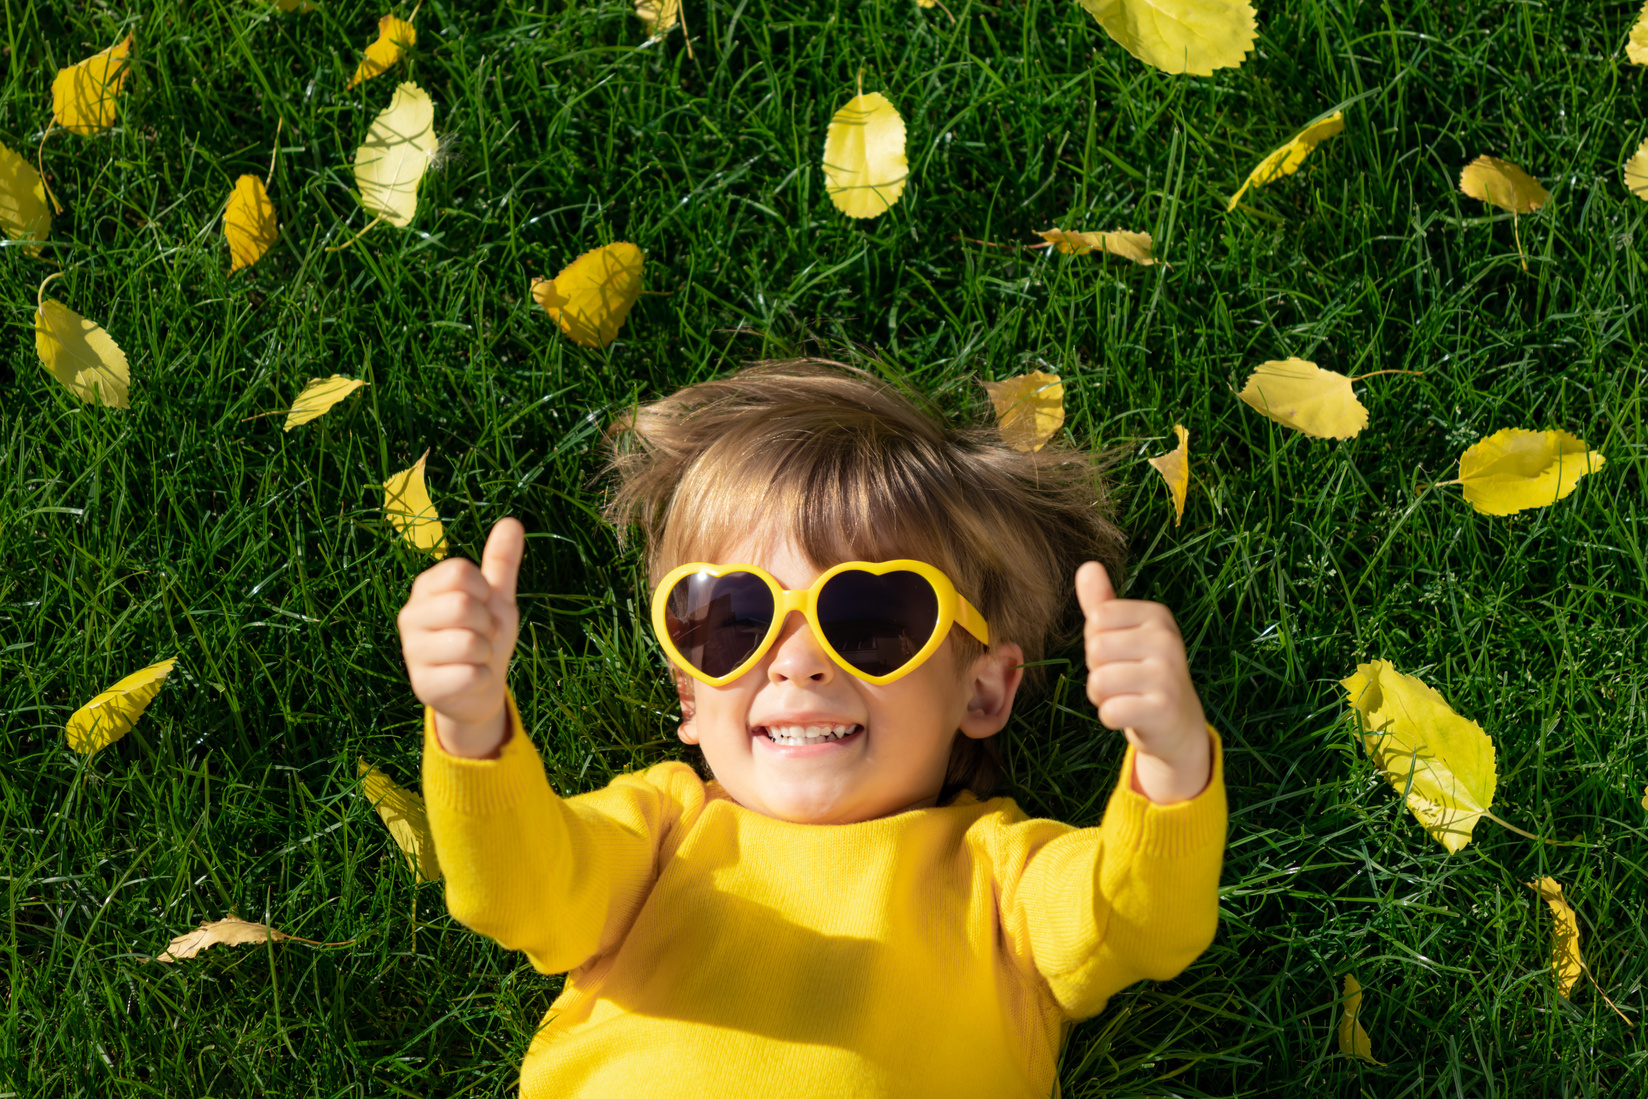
{"x": 711, "y": 950}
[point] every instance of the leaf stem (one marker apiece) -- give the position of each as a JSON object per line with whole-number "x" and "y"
{"x": 40, "y": 294}
{"x": 357, "y": 236}
{"x": 686, "y": 36}
{"x": 279, "y": 122}
{"x": 1516, "y": 231}
{"x": 1529, "y": 835}
{"x": 40, "y": 165}
{"x": 1376, "y": 373}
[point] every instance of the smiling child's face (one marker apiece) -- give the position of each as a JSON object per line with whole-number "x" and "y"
{"x": 900, "y": 733}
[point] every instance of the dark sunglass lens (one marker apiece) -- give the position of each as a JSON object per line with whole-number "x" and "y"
{"x": 716, "y": 622}
{"x": 877, "y": 623}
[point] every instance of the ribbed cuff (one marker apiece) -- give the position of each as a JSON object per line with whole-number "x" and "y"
{"x": 1169, "y": 831}
{"x": 479, "y": 787}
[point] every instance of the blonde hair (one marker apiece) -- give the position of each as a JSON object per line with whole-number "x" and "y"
{"x": 851, "y": 468}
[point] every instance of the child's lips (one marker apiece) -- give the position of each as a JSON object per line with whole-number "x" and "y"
{"x": 812, "y": 748}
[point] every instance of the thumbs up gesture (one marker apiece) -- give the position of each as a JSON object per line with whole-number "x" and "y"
{"x": 458, "y": 632}
{"x": 1139, "y": 678}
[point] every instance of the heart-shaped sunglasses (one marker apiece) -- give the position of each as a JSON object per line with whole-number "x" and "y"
{"x": 878, "y": 620}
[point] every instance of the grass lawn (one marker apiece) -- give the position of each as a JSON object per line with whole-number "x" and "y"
{"x": 260, "y": 559}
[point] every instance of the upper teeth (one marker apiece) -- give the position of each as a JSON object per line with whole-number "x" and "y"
{"x": 801, "y": 734}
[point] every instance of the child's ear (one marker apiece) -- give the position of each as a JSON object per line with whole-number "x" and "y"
{"x": 684, "y": 685}
{"x": 993, "y": 682}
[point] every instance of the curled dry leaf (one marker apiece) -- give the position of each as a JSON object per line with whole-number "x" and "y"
{"x": 1029, "y": 408}
{"x": 248, "y": 223}
{"x": 1566, "y": 962}
{"x": 84, "y": 94}
{"x": 395, "y": 37}
{"x": 591, "y": 297}
{"x": 1301, "y": 395}
{"x": 230, "y": 931}
{"x": 1636, "y": 171}
{"x": 1118, "y": 242}
{"x": 318, "y": 397}
{"x": 1636, "y": 47}
{"x": 1445, "y": 762}
{"x": 24, "y": 214}
{"x": 396, "y": 154}
{"x": 1179, "y": 36}
{"x": 404, "y": 815}
{"x": 1513, "y": 470}
{"x": 864, "y": 166}
{"x": 111, "y": 715}
{"x": 1174, "y": 466}
{"x": 1501, "y": 183}
{"x": 79, "y": 354}
{"x": 407, "y": 505}
{"x": 1353, "y": 1038}
{"x": 1286, "y": 160}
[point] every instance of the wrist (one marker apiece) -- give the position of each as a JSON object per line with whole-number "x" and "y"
{"x": 483, "y": 739}
{"x": 1177, "y": 776}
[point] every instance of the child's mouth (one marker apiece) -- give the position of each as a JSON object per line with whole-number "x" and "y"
{"x": 801, "y": 735}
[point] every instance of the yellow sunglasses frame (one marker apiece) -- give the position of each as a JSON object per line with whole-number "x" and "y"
{"x": 952, "y": 609}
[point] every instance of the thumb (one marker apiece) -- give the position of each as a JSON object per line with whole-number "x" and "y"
{"x": 501, "y": 559}
{"x": 1093, "y": 587}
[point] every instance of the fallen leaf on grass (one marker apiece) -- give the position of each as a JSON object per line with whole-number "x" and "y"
{"x": 79, "y": 354}
{"x": 1636, "y": 47}
{"x": 318, "y": 397}
{"x": 1513, "y": 470}
{"x": 1501, "y": 183}
{"x": 1286, "y": 160}
{"x": 398, "y": 148}
{"x": 407, "y": 505}
{"x": 24, "y": 214}
{"x": 395, "y": 37}
{"x": 111, "y": 715}
{"x": 1566, "y": 962}
{"x": 590, "y": 298}
{"x": 1299, "y": 394}
{"x": 229, "y": 931}
{"x": 864, "y": 165}
{"x": 1174, "y": 466}
{"x": 1117, "y": 242}
{"x": 1179, "y": 36}
{"x": 1353, "y": 1038}
{"x": 404, "y": 815}
{"x": 248, "y": 223}
{"x": 1636, "y": 171}
{"x": 659, "y": 16}
{"x": 1029, "y": 409}
{"x": 84, "y": 94}
{"x": 1445, "y": 762}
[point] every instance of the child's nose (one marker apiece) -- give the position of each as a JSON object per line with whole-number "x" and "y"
{"x": 797, "y": 655}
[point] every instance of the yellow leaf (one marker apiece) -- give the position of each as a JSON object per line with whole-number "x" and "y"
{"x": 594, "y": 293}
{"x": 1179, "y": 36}
{"x": 1413, "y": 736}
{"x": 864, "y": 165}
{"x": 1645, "y": 797}
{"x": 1303, "y": 396}
{"x": 83, "y": 95}
{"x": 1636, "y": 169}
{"x": 660, "y": 16}
{"x": 1118, "y": 242}
{"x": 398, "y": 149}
{"x": 1174, "y": 466}
{"x": 79, "y": 354}
{"x": 1514, "y": 470}
{"x": 1566, "y": 962}
{"x": 406, "y": 504}
{"x": 318, "y": 397}
{"x": 1636, "y": 48}
{"x": 230, "y": 931}
{"x": 111, "y": 715}
{"x": 1501, "y": 183}
{"x": 1286, "y": 160}
{"x": 1029, "y": 408}
{"x": 403, "y": 814}
{"x": 1353, "y": 1039}
{"x": 24, "y": 214}
{"x": 248, "y": 223}
{"x": 395, "y": 37}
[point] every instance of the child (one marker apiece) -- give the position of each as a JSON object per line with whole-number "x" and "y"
{"x": 847, "y": 592}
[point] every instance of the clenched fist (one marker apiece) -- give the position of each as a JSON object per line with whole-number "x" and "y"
{"x": 457, "y": 633}
{"x": 1139, "y": 678}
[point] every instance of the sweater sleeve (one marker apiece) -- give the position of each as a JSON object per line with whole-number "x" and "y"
{"x": 560, "y": 879}
{"x": 1097, "y": 909}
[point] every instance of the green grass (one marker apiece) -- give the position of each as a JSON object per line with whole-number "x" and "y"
{"x": 260, "y": 559}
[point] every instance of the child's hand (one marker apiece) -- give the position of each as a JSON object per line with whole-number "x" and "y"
{"x": 1139, "y": 678}
{"x": 458, "y": 632}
